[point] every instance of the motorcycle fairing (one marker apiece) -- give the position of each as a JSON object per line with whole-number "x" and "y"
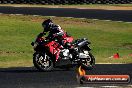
{"x": 54, "y": 48}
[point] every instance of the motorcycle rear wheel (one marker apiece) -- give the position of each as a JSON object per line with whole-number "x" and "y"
{"x": 91, "y": 63}
{"x": 42, "y": 62}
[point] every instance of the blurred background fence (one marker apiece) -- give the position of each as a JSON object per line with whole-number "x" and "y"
{"x": 65, "y": 2}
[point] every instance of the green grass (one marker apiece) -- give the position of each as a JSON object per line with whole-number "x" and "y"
{"x": 107, "y": 38}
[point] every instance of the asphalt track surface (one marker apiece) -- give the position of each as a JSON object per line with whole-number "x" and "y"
{"x": 29, "y": 77}
{"x": 114, "y": 15}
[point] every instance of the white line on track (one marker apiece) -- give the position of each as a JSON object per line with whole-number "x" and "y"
{"x": 95, "y": 19}
{"x": 129, "y": 22}
{"x": 129, "y": 85}
{"x": 102, "y": 20}
{"x": 18, "y": 14}
{"x": 110, "y": 63}
{"x": 79, "y": 18}
{"x": 36, "y": 15}
{"x": 119, "y": 21}
{"x": 85, "y": 87}
{"x": 106, "y": 20}
{"x": 109, "y": 86}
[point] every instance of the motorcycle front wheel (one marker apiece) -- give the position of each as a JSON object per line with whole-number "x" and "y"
{"x": 42, "y": 62}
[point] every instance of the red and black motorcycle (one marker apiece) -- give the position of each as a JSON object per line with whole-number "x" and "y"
{"x": 50, "y": 54}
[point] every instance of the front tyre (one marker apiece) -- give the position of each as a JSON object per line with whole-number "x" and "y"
{"x": 42, "y": 62}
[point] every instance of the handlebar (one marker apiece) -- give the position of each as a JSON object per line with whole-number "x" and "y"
{"x": 32, "y": 43}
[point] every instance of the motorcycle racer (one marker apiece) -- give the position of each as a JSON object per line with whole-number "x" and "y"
{"x": 57, "y": 47}
{"x": 55, "y": 32}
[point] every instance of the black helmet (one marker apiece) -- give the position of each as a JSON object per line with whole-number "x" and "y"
{"x": 47, "y": 24}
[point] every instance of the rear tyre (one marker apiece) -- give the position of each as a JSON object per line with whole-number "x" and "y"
{"x": 42, "y": 62}
{"x": 89, "y": 63}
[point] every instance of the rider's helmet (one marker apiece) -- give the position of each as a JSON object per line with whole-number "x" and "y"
{"x": 47, "y": 25}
